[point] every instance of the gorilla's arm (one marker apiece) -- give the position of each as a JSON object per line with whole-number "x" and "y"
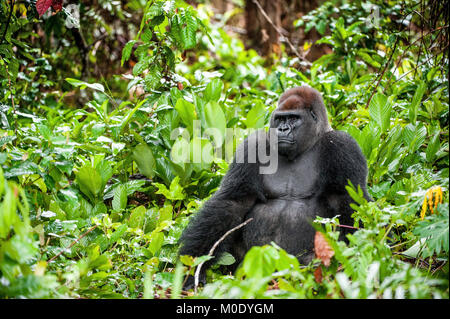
{"x": 240, "y": 188}
{"x": 341, "y": 160}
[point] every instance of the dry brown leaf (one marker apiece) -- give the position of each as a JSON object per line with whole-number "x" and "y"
{"x": 323, "y": 251}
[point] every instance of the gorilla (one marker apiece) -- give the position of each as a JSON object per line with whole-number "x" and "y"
{"x": 315, "y": 164}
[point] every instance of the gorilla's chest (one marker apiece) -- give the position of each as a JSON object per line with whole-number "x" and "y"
{"x": 293, "y": 180}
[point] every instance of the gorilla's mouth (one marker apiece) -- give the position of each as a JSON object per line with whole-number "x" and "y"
{"x": 285, "y": 140}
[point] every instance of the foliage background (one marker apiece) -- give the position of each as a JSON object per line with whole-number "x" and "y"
{"x": 92, "y": 204}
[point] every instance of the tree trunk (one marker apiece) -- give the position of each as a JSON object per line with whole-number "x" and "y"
{"x": 260, "y": 31}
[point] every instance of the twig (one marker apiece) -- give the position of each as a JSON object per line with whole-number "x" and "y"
{"x": 426, "y": 61}
{"x": 407, "y": 50}
{"x": 199, "y": 267}
{"x": 73, "y": 243}
{"x": 347, "y": 226}
{"x": 382, "y": 73}
{"x": 280, "y": 32}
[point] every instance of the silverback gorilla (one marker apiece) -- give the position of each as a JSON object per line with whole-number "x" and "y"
{"x": 314, "y": 166}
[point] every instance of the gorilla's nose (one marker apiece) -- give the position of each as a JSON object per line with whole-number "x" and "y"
{"x": 283, "y": 129}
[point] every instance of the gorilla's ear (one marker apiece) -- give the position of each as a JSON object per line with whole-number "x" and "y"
{"x": 313, "y": 114}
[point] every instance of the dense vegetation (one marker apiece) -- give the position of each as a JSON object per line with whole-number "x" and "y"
{"x": 92, "y": 200}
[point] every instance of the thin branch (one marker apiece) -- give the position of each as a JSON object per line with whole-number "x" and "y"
{"x": 407, "y": 50}
{"x": 384, "y": 70}
{"x": 347, "y": 226}
{"x": 426, "y": 61}
{"x": 73, "y": 243}
{"x": 199, "y": 267}
{"x": 280, "y": 32}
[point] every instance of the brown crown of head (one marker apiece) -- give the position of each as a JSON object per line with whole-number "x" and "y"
{"x": 298, "y": 98}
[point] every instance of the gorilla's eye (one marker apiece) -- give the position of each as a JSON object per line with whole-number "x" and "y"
{"x": 314, "y": 116}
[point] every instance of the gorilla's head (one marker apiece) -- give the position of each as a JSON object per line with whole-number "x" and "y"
{"x": 300, "y": 119}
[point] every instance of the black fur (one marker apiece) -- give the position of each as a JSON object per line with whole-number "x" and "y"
{"x": 313, "y": 170}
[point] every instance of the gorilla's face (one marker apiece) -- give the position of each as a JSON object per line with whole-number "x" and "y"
{"x": 296, "y": 131}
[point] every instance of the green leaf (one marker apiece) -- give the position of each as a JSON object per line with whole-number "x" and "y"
{"x": 416, "y": 102}
{"x": 187, "y": 260}
{"x": 435, "y": 230}
{"x": 6, "y": 139}
{"x": 118, "y": 234}
{"x": 137, "y": 217}
{"x": 153, "y": 79}
{"x": 380, "y": 111}
{"x": 82, "y": 85}
{"x": 140, "y": 67}
{"x": 156, "y": 242}
{"x": 119, "y": 202}
{"x": 186, "y": 110}
{"x": 105, "y": 171}
{"x": 414, "y": 136}
{"x": 143, "y": 156}
{"x": 202, "y": 153}
{"x": 260, "y": 262}
{"x": 226, "y": 259}
{"x": 213, "y": 90}
{"x": 165, "y": 214}
{"x": 126, "y": 52}
{"x": 255, "y": 117}
{"x": 433, "y": 147}
{"x": 174, "y": 193}
{"x": 189, "y": 31}
{"x": 216, "y": 122}
{"x": 89, "y": 182}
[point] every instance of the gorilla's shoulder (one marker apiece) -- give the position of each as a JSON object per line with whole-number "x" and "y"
{"x": 338, "y": 141}
{"x": 340, "y": 149}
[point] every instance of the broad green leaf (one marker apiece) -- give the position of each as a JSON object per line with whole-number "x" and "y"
{"x": 143, "y": 156}
{"x": 255, "y": 117}
{"x": 201, "y": 259}
{"x": 126, "y": 52}
{"x": 156, "y": 242}
{"x": 119, "y": 201}
{"x": 216, "y": 122}
{"x": 137, "y": 217}
{"x": 416, "y": 102}
{"x": 174, "y": 193}
{"x": 226, "y": 259}
{"x": 189, "y": 31}
{"x": 140, "y": 67}
{"x": 414, "y": 136}
{"x": 260, "y": 262}
{"x": 165, "y": 213}
{"x": 213, "y": 90}
{"x": 105, "y": 171}
{"x": 380, "y": 111}
{"x": 187, "y": 260}
{"x": 186, "y": 110}
{"x": 180, "y": 152}
{"x": 129, "y": 115}
{"x": 202, "y": 153}
{"x": 433, "y": 147}
{"x": 89, "y": 181}
{"x": 118, "y": 234}
{"x": 153, "y": 78}
{"x": 82, "y": 85}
